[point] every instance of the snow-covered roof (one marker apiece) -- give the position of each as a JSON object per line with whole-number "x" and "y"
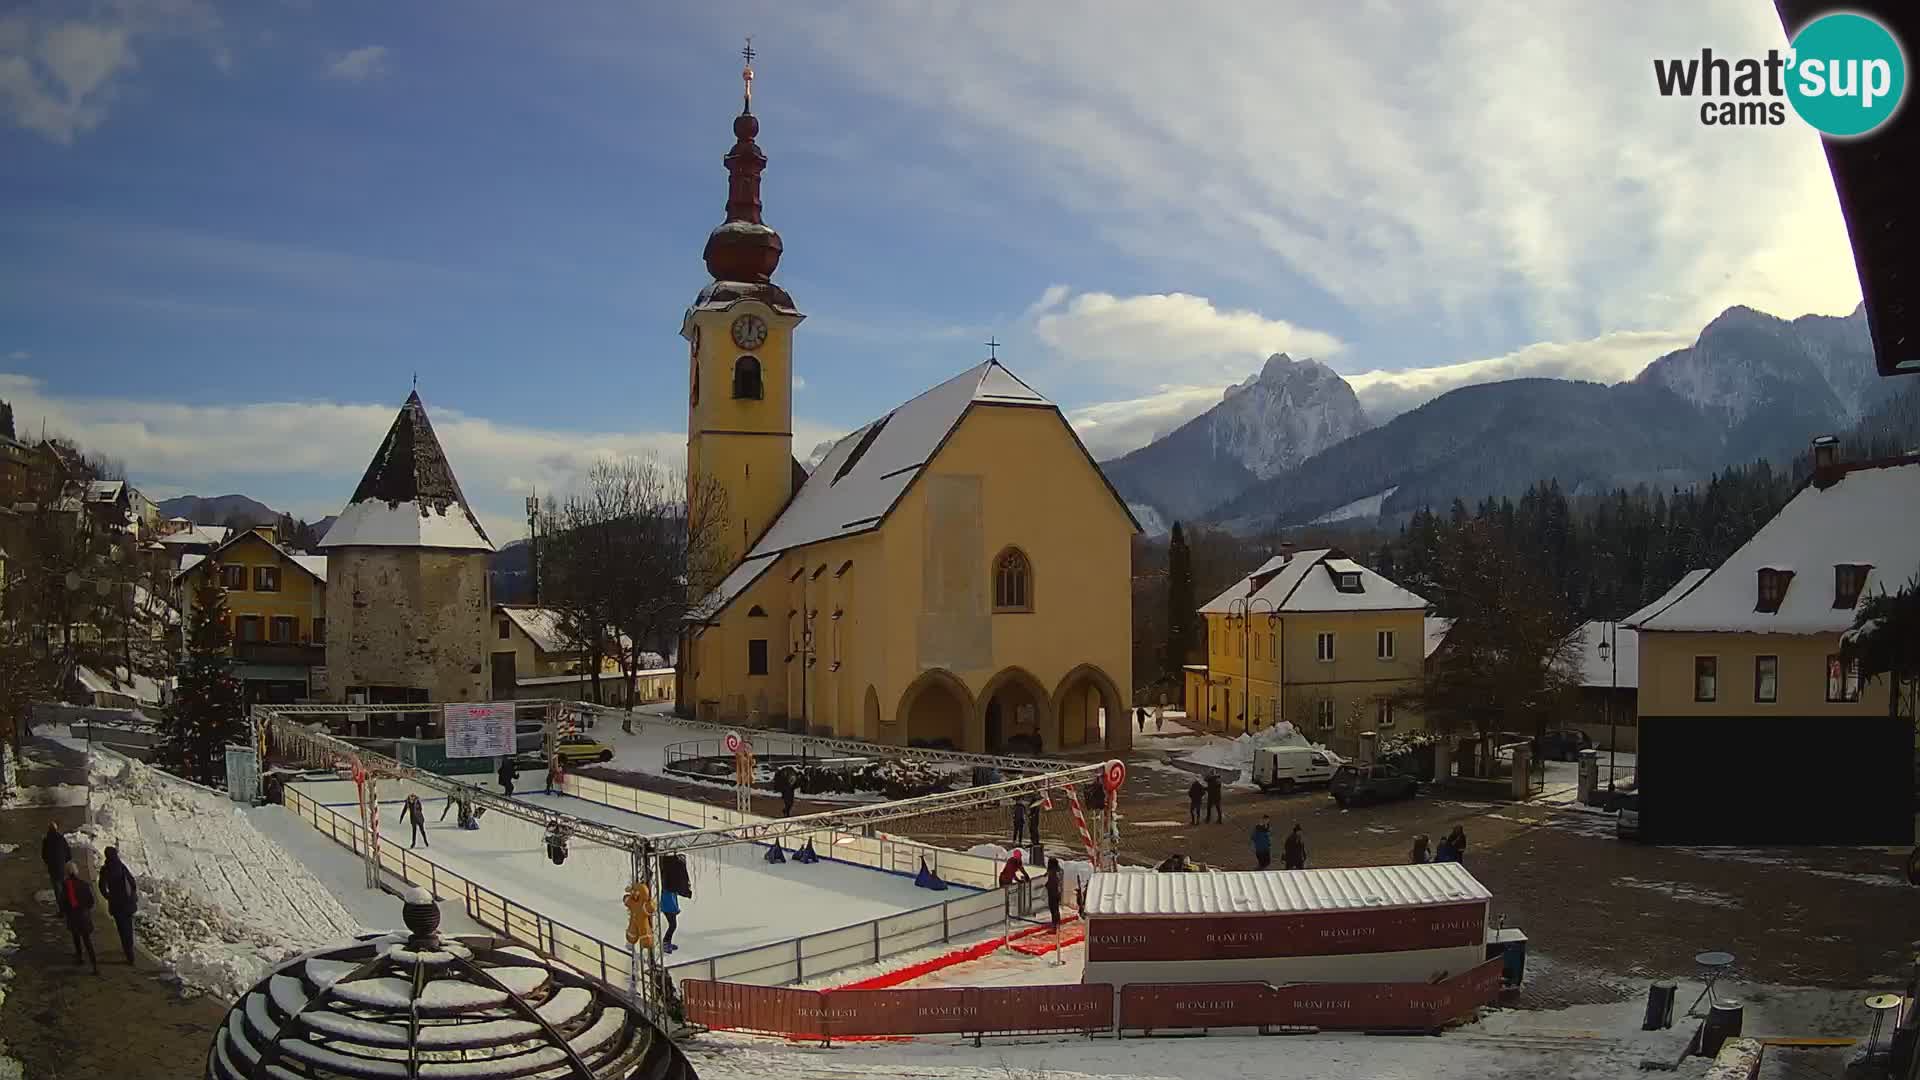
{"x": 141, "y": 688}
{"x": 105, "y": 490}
{"x": 1436, "y": 632}
{"x": 1680, "y": 588}
{"x": 1269, "y": 892}
{"x": 408, "y": 496}
{"x": 1869, "y": 517}
{"x": 313, "y": 564}
{"x": 1304, "y": 581}
{"x": 197, "y": 535}
{"x": 1626, "y": 653}
{"x": 544, "y": 626}
{"x": 651, "y": 664}
{"x": 857, "y": 484}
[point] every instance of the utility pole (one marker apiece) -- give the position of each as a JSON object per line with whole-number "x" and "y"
{"x": 533, "y": 541}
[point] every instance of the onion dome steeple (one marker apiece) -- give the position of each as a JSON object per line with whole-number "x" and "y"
{"x": 743, "y": 248}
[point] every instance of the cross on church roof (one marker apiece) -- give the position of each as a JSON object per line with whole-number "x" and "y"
{"x": 746, "y": 73}
{"x": 993, "y": 348}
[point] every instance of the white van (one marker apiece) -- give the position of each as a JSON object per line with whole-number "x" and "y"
{"x": 1284, "y": 768}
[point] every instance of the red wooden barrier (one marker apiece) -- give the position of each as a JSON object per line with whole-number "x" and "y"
{"x": 816, "y": 1014}
{"x": 1336, "y": 1006}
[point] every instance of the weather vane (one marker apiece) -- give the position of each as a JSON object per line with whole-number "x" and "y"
{"x": 746, "y": 73}
{"x": 993, "y": 349}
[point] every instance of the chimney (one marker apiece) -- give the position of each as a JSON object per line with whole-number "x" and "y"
{"x": 264, "y": 532}
{"x": 1826, "y": 461}
{"x": 1286, "y": 551}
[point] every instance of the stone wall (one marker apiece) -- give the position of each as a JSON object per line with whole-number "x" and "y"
{"x": 408, "y": 617}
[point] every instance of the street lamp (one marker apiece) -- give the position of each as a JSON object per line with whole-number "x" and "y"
{"x": 1243, "y": 608}
{"x": 1610, "y": 654}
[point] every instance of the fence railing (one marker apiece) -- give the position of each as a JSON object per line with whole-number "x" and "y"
{"x": 776, "y": 963}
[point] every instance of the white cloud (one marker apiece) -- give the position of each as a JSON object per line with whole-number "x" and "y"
{"x": 305, "y": 457}
{"x": 1610, "y": 358}
{"x": 1498, "y": 177}
{"x": 360, "y": 65}
{"x": 1136, "y": 341}
{"x": 1112, "y": 428}
{"x": 62, "y": 65}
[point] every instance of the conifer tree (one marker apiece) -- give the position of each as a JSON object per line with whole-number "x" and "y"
{"x": 1180, "y": 603}
{"x": 207, "y": 710}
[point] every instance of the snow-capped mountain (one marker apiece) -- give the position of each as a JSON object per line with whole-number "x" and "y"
{"x": 1276, "y": 419}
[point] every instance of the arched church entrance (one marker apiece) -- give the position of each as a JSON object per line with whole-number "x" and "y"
{"x": 1015, "y": 715}
{"x": 1092, "y": 713}
{"x": 934, "y": 711}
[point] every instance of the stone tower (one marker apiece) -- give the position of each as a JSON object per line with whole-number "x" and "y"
{"x": 408, "y": 599}
{"x": 739, "y": 335}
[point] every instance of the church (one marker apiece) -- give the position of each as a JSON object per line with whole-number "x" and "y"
{"x": 955, "y": 573}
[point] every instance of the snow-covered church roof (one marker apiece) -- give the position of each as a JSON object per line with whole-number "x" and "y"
{"x": 865, "y": 474}
{"x": 1290, "y": 583}
{"x": 1869, "y": 516}
{"x": 408, "y": 497}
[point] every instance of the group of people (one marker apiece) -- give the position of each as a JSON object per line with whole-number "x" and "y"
{"x": 1453, "y": 847}
{"x": 1293, "y": 854}
{"x": 1159, "y": 717}
{"x": 1210, "y": 791}
{"x": 1015, "y": 869}
{"x": 74, "y": 895}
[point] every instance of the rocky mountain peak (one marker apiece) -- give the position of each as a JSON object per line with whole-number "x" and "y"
{"x": 1288, "y": 412}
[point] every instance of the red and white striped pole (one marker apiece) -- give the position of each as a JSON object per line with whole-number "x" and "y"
{"x": 1080, "y": 823}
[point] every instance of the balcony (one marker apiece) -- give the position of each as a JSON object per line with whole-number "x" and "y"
{"x": 280, "y": 654}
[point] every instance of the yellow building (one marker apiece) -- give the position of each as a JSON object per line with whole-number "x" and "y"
{"x": 276, "y": 611}
{"x": 956, "y": 572}
{"x": 1741, "y": 665}
{"x": 533, "y": 658}
{"x": 1315, "y": 639}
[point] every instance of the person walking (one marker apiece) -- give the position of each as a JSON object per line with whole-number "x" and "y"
{"x": 555, "y": 774}
{"x": 1056, "y": 890}
{"x": 1195, "y": 792}
{"x": 123, "y": 898}
{"x": 1420, "y": 854}
{"x": 1160, "y": 715}
{"x": 1213, "y": 799}
{"x": 670, "y": 911}
{"x": 56, "y": 853}
{"x": 414, "y": 812}
{"x": 1293, "y": 856}
{"x": 509, "y": 771}
{"x": 1140, "y": 717}
{"x": 75, "y": 898}
{"x": 783, "y": 782}
{"x": 1263, "y": 843}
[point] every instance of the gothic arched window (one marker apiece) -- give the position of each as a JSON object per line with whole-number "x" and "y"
{"x": 1012, "y": 581}
{"x": 746, "y": 378}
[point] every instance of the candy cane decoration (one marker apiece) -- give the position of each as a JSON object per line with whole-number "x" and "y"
{"x": 1080, "y": 823}
{"x": 373, "y": 832}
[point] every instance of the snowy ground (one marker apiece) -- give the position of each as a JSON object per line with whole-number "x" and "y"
{"x": 739, "y": 901}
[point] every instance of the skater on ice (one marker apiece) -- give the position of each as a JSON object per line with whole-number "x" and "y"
{"x": 784, "y": 783}
{"x": 508, "y": 773}
{"x": 1294, "y": 855}
{"x": 415, "y": 816}
{"x": 1195, "y": 792}
{"x": 75, "y": 897}
{"x": 123, "y": 898}
{"x": 1263, "y": 844}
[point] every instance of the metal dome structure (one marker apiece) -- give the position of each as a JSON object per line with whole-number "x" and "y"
{"x": 418, "y": 1005}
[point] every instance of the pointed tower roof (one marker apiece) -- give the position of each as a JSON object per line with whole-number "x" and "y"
{"x": 408, "y": 497}
{"x": 743, "y": 251}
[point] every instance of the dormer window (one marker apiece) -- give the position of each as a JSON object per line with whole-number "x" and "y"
{"x": 1773, "y": 588}
{"x": 1848, "y": 580}
{"x": 1346, "y": 574}
{"x": 1348, "y": 583}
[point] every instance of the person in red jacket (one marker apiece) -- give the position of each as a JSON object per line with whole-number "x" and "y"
{"x": 75, "y": 897}
{"x": 1015, "y": 869}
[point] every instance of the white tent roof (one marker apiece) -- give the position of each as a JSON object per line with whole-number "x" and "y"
{"x": 1269, "y": 892}
{"x": 1870, "y": 516}
{"x": 1302, "y": 582}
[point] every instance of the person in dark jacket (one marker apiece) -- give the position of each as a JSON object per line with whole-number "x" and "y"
{"x": 1263, "y": 844}
{"x": 1213, "y": 798}
{"x": 56, "y": 853}
{"x": 785, "y": 783}
{"x": 1293, "y": 856}
{"x": 670, "y": 911}
{"x": 1140, "y": 717}
{"x": 509, "y": 771}
{"x": 1019, "y": 822}
{"x": 1195, "y": 792}
{"x": 1420, "y": 853}
{"x": 1033, "y": 825}
{"x": 123, "y": 898}
{"x": 75, "y": 898}
{"x": 1056, "y": 890}
{"x": 415, "y": 815}
{"x": 1459, "y": 838}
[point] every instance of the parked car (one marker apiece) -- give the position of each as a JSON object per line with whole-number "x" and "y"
{"x": 1561, "y": 744}
{"x": 580, "y": 751}
{"x": 1356, "y": 784}
{"x": 1626, "y": 820}
{"x": 1284, "y": 768}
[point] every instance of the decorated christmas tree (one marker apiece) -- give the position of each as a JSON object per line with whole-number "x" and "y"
{"x": 207, "y": 713}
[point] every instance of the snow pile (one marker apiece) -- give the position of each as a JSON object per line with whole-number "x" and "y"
{"x": 1239, "y": 753}
{"x": 10, "y": 1067}
{"x": 219, "y": 902}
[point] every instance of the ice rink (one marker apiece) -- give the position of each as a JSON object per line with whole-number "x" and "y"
{"x": 739, "y": 901}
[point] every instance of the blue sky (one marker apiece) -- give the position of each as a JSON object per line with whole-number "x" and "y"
{"x": 231, "y": 233}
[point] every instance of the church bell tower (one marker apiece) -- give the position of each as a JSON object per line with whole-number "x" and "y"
{"x": 739, "y": 335}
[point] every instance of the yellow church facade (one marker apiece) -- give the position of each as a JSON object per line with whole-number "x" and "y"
{"x": 955, "y": 573}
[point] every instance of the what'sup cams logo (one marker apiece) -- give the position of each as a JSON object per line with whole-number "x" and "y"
{"x": 1845, "y": 74}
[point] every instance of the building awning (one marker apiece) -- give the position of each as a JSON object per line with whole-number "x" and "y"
{"x": 271, "y": 672}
